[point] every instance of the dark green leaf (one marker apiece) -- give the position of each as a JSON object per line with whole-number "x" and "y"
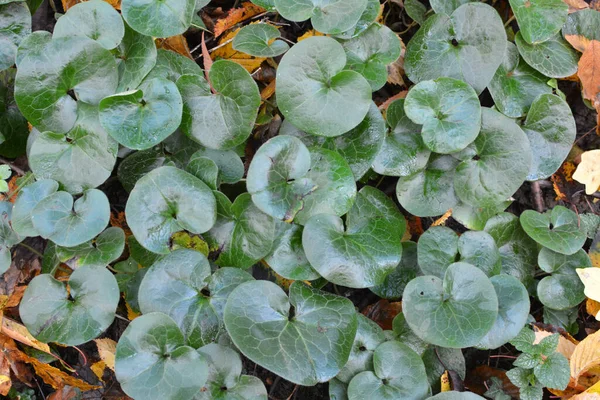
{"x": 260, "y": 40}
{"x": 539, "y": 20}
{"x": 335, "y": 16}
{"x": 8, "y": 237}
{"x": 557, "y": 230}
{"x": 580, "y": 28}
{"x": 137, "y": 56}
{"x": 287, "y": 257}
{"x": 158, "y": 18}
{"x": 447, "y": 6}
{"x": 416, "y": 10}
{"x": 13, "y": 126}
{"x": 26, "y": 201}
{"x": 554, "y": 58}
{"x": 395, "y": 282}
{"x": 103, "y": 250}
{"x": 15, "y": 24}
{"x": 554, "y": 372}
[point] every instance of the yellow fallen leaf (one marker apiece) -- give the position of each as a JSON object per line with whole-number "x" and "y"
{"x": 98, "y": 369}
{"x": 591, "y": 280}
{"x": 131, "y": 314}
{"x": 593, "y": 308}
{"x": 588, "y": 171}
{"x": 19, "y": 333}
{"x": 309, "y": 33}
{"x": 445, "y": 382}
{"x": 107, "y": 349}
{"x": 5, "y": 384}
{"x": 227, "y": 52}
{"x": 442, "y": 220}
{"x": 586, "y": 355}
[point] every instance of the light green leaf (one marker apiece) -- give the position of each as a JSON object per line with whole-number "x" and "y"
{"x": 8, "y": 237}
{"x": 467, "y": 45}
{"x": 539, "y": 20}
{"x": 103, "y": 250}
{"x": 554, "y": 372}
{"x": 172, "y": 66}
{"x": 557, "y": 230}
{"x": 229, "y": 165}
{"x": 33, "y": 44}
{"x": 476, "y": 217}
{"x": 367, "y": 18}
{"x": 165, "y": 201}
{"x": 554, "y": 58}
{"x": 395, "y": 282}
{"x": 137, "y": 56}
{"x": 15, "y": 24}
{"x": 260, "y": 40}
{"x": 447, "y": 6}
{"x": 13, "y": 126}
{"x": 70, "y": 223}
{"x": 95, "y": 19}
{"x": 71, "y": 317}
{"x": 315, "y": 93}
{"x": 152, "y": 350}
{"x": 436, "y": 250}
{"x": 334, "y": 16}
{"x": 416, "y": 10}
{"x": 362, "y": 254}
{"x": 306, "y": 338}
{"x": 456, "y": 312}
{"x": 158, "y": 18}
{"x": 480, "y": 250}
{"x": 28, "y": 198}
{"x": 338, "y": 390}
{"x": 399, "y": 373}
{"x": 287, "y": 257}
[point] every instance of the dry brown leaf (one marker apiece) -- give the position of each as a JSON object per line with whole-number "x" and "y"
{"x": 19, "y": 333}
{"x": 383, "y": 312}
{"x": 309, "y": 33}
{"x": 477, "y": 377}
{"x": 566, "y": 342}
{"x": 227, "y": 52}
{"x": 268, "y": 91}
{"x": 586, "y": 355}
{"x": 588, "y": 171}
{"x": 576, "y": 5}
{"x": 107, "y": 349}
{"x": 5, "y": 382}
{"x": 178, "y": 44}
{"x": 589, "y": 71}
{"x": 66, "y": 393}
{"x": 237, "y": 15}
{"x": 118, "y": 220}
{"x": 16, "y": 296}
{"x": 383, "y": 106}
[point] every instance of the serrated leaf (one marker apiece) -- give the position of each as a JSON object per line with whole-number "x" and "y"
{"x": 137, "y": 57}
{"x": 557, "y": 229}
{"x": 539, "y": 20}
{"x": 15, "y": 24}
{"x": 157, "y": 18}
{"x": 553, "y": 372}
{"x": 395, "y": 282}
{"x": 260, "y": 40}
{"x": 554, "y": 57}
{"x": 28, "y": 198}
{"x": 333, "y": 17}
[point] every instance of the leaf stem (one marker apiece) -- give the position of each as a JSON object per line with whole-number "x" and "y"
{"x": 31, "y": 249}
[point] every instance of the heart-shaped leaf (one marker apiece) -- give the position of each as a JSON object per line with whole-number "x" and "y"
{"x": 172, "y": 66}
{"x": 480, "y": 250}
{"x": 225, "y": 380}
{"x": 550, "y": 128}
{"x": 362, "y": 254}
{"x": 306, "y": 338}
{"x": 338, "y": 390}
{"x": 447, "y": 6}
{"x": 516, "y": 85}
{"x": 370, "y": 52}
{"x": 33, "y": 44}
{"x": 539, "y": 20}
{"x": 95, "y": 19}
{"x": 452, "y": 395}
{"x": 15, "y": 24}
{"x": 289, "y": 182}
{"x": 554, "y": 57}
{"x": 314, "y": 91}
{"x": 216, "y": 166}
{"x": 158, "y": 18}
{"x": 415, "y": 10}
{"x": 103, "y": 250}
{"x": 395, "y": 282}
{"x": 225, "y": 119}
{"x": 152, "y": 349}
{"x": 562, "y": 289}
{"x": 242, "y": 233}
{"x": 260, "y": 40}
{"x": 398, "y": 373}
{"x": 513, "y": 311}
{"x": 475, "y": 218}
{"x": 165, "y": 201}
{"x": 403, "y": 152}
{"x": 335, "y": 16}
{"x": 557, "y": 230}
{"x": 53, "y": 313}
{"x": 455, "y": 312}
{"x": 436, "y": 250}
{"x": 46, "y": 77}
{"x": 501, "y": 164}
{"x": 137, "y": 57}
{"x": 28, "y": 198}
{"x": 70, "y": 223}
{"x": 367, "y": 18}
{"x": 449, "y": 111}
{"x": 467, "y": 45}
{"x": 82, "y": 159}
{"x": 359, "y": 146}
{"x": 429, "y": 192}
{"x": 8, "y": 237}
{"x": 287, "y": 257}
{"x": 143, "y": 118}
{"x": 13, "y": 126}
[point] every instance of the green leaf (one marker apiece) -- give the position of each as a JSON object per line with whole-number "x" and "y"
{"x": 479, "y": 249}
{"x": 561, "y": 290}
{"x": 15, "y": 24}
{"x": 447, "y": 6}
{"x": 452, "y": 395}
{"x": 152, "y": 350}
{"x": 13, "y": 126}
{"x": 315, "y": 93}
{"x": 143, "y": 118}
{"x": 367, "y": 18}
{"x": 370, "y": 52}
{"x": 429, "y": 192}
{"x": 225, "y": 380}
{"x": 362, "y": 254}
{"x": 399, "y": 373}
{"x": 359, "y": 146}
{"x": 415, "y": 10}
{"x": 268, "y": 4}
{"x": 8, "y": 237}
{"x": 554, "y": 58}
{"x": 436, "y": 250}
{"x": 456, "y": 312}
{"x": 550, "y": 128}
{"x": 516, "y": 85}
{"x": 449, "y": 111}
{"x": 82, "y": 159}
{"x": 287, "y": 257}
{"x": 554, "y": 372}
{"x": 338, "y": 390}
{"x": 172, "y": 66}
{"x": 260, "y": 40}
{"x": 70, "y": 223}
{"x": 335, "y": 16}
{"x": 229, "y": 164}
{"x": 524, "y": 342}
{"x": 289, "y": 182}
{"x": 403, "y": 152}
{"x": 74, "y": 316}
{"x": 103, "y": 250}
{"x": 305, "y": 339}
{"x": 225, "y": 119}
{"x": 580, "y": 28}
{"x": 395, "y": 282}
{"x": 557, "y": 230}
{"x": 519, "y": 377}
{"x": 501, "y": 165}
{"x": 165, "y": 201}
{"x": 402, "y": 333}
{"x": 45, "y": 79}
{"x": 476, "y": 217}
{"x": 28, "y": 198}
{"x": 513, "y": 311}
{"x": 137, "y": 56}
{"x": 496, "y": 390}
{"x": 539, "y": 20}
{"x": 566, "y": 319}
{"x": 158, "y": 18}
{"x": 33, "y": 44}
{"x": 467, "y": 45}
{"x": 95, "y": 19}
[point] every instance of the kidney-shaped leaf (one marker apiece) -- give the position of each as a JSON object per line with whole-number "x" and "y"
{"x": 159, "y": 18}
{"x": 260, "y": 40}
{"x": 316, "y": 94}
{"x": 68, "y": 223}
{"x": 172, "y": 66}
{"x": 447, "y": 6}
{"x": 15, "y": 24}
{"x": 153, "y": 363}
{"x": 137, "y": 57}
{"x": 306, "y": 338}
{"x": 367, "y": 18}
{"x": 557, "y": 230}
{"x": 554, "y": 58}
{"x": 455, "y": 312}
{"x": 333, "y": 16}
{"x": 467, "y": 45}
{"x": 366, "y": 251}
{"x": 104, "y": 249}
{"x": 539, "y": 20}
{"x": 395, "y": 282}
{"x": 436, "y": 250}
{"x": 53, "y": 313}
{"x": 165, "y": 201}
{"x": 46, "y": 77}
{"x": 28, "y": 198}
{"x": 287, "y": 257}
{"x": 225, "y": 119}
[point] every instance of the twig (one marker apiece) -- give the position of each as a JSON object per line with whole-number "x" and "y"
{"x": 31, "y": 249}
{"x": 537, "y": 196}
{"x": 12, "y": 166}
{"x": 507, "y": 23}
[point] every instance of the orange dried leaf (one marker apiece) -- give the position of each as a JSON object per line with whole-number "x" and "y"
{"x": 227, "y": 52}
{"x": 268, "y": 91}
{"x": 585, "y": 356}
{"x": 383, "y": 106}
{"x": 98, "y": 369}
{"x": 70, "y": 3}
{"x": 20, "y": 333}
{"x": 131, "y": 314}
{"x": 576, "y": 5}
{"x": 589, "y": 71}
{"x": 442, "y": 220}
{"x": 178, "y": 44}
{"x": 383, "y": 312}
{"x": 566, "y": 342}
{"x": 309, "y": 33}
{"x": 237, "y": 15}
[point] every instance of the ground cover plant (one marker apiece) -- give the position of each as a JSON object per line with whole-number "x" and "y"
{"x": 283, "y": 199}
